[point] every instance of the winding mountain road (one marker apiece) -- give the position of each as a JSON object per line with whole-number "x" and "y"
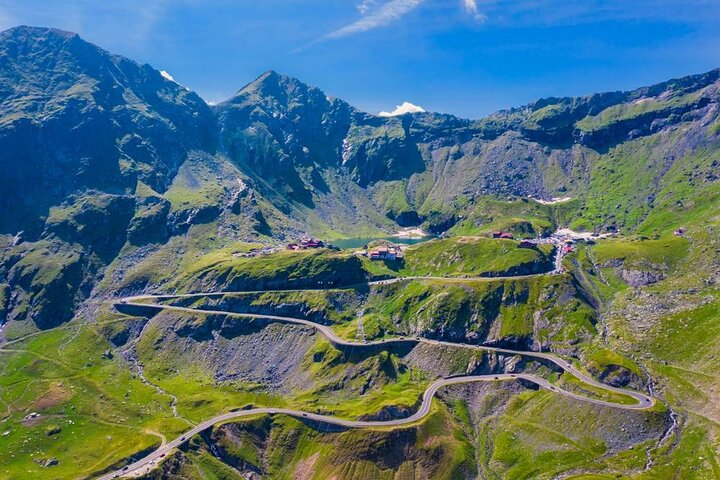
{"x": 557, "y": 268}
{"x": 148, "y": 462}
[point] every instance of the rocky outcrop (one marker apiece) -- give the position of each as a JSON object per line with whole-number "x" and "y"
{"x": 150, "y": 223}
{"x": 444, "y": 361}
{"x": 46, "y": 281}
{"x": 640, "y": 278}
{"x": 92, "y": 121}
{"x": 619, "y": 376}
{"x": 95, "y": 220}
{"x": 179, "y": 222}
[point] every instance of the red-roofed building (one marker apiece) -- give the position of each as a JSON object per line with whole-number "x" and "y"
{"x": 312, "y": 243}
{"x": 386, "y": 253}
{"x": 305, "y": 244}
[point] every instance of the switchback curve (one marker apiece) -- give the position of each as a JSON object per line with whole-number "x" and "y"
{"x": 643, "y": 402}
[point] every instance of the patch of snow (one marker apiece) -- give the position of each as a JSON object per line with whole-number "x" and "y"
{"x": 346, "y": 151}
{"x": 167, "y": 76}
{"x": 552, "y": 201}
{"x": 640, "y": 101}
{"x": 406, "y": 107}
{"x": 566, "y": 232}
{"x": 410, "y": 232}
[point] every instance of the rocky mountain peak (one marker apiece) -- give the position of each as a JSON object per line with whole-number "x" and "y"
{"x": 75, "y": 117}
{"x": 278, "y": 95}
{"x": 27, "y": 33}
{"x": 37, "y": 60}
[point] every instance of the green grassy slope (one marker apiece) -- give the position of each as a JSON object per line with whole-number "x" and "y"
{"x": 93, "y": 412}
{"x": 524, "y": 217}
{"x": 286, "y": 449}
{"x": 469, "y": 256}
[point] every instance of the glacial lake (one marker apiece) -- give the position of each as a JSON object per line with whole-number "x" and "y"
{"x": 360, "y": 242}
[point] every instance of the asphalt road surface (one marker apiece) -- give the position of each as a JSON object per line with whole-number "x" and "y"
{"x": 149, "y": 462}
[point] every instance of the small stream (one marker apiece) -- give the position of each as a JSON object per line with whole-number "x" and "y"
{"x": 673, "y": 417}
{"x": 129, "y": 354}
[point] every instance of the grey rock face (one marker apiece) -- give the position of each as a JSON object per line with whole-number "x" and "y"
{"x": 640, "y": 278}
{"x": 179, "y": 222}
{"x": 150, "y": 223}
{"x": 73, "y": 116}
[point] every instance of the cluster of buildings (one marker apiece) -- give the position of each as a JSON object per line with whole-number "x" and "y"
{"x": 567, "y": 247}
{"x": 510, "y": 236}
{"x": 391, "y": 252}
{"x": 306, "y": 243}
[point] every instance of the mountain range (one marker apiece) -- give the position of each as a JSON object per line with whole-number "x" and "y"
{"x": 117, "y": 181}
{"x": 98, "y": 152}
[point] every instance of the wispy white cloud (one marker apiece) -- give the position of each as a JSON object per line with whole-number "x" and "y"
{"x": 376, "y": 17}
{"x": 471, "y": 7}
{"x": 523, "y": 13}
{"x": 366, "y": 5}
{"x": 406, "y": 107}
{"x": 148, "y": 14}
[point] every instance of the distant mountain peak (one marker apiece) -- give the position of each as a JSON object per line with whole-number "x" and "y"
{"x": 272, "y": 82}
{"x": 26, "y": 44}
{"x": 279, "y": 93}
{"x": 40, "y": 38}
{"x": 270, "y": 75}
{"x": 38, "y": 32}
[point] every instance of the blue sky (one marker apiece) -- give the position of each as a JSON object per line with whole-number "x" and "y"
{"x": 466, "y": 57}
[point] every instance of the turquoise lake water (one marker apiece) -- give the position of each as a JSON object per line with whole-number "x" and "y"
{"x": 360, "y": 242}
